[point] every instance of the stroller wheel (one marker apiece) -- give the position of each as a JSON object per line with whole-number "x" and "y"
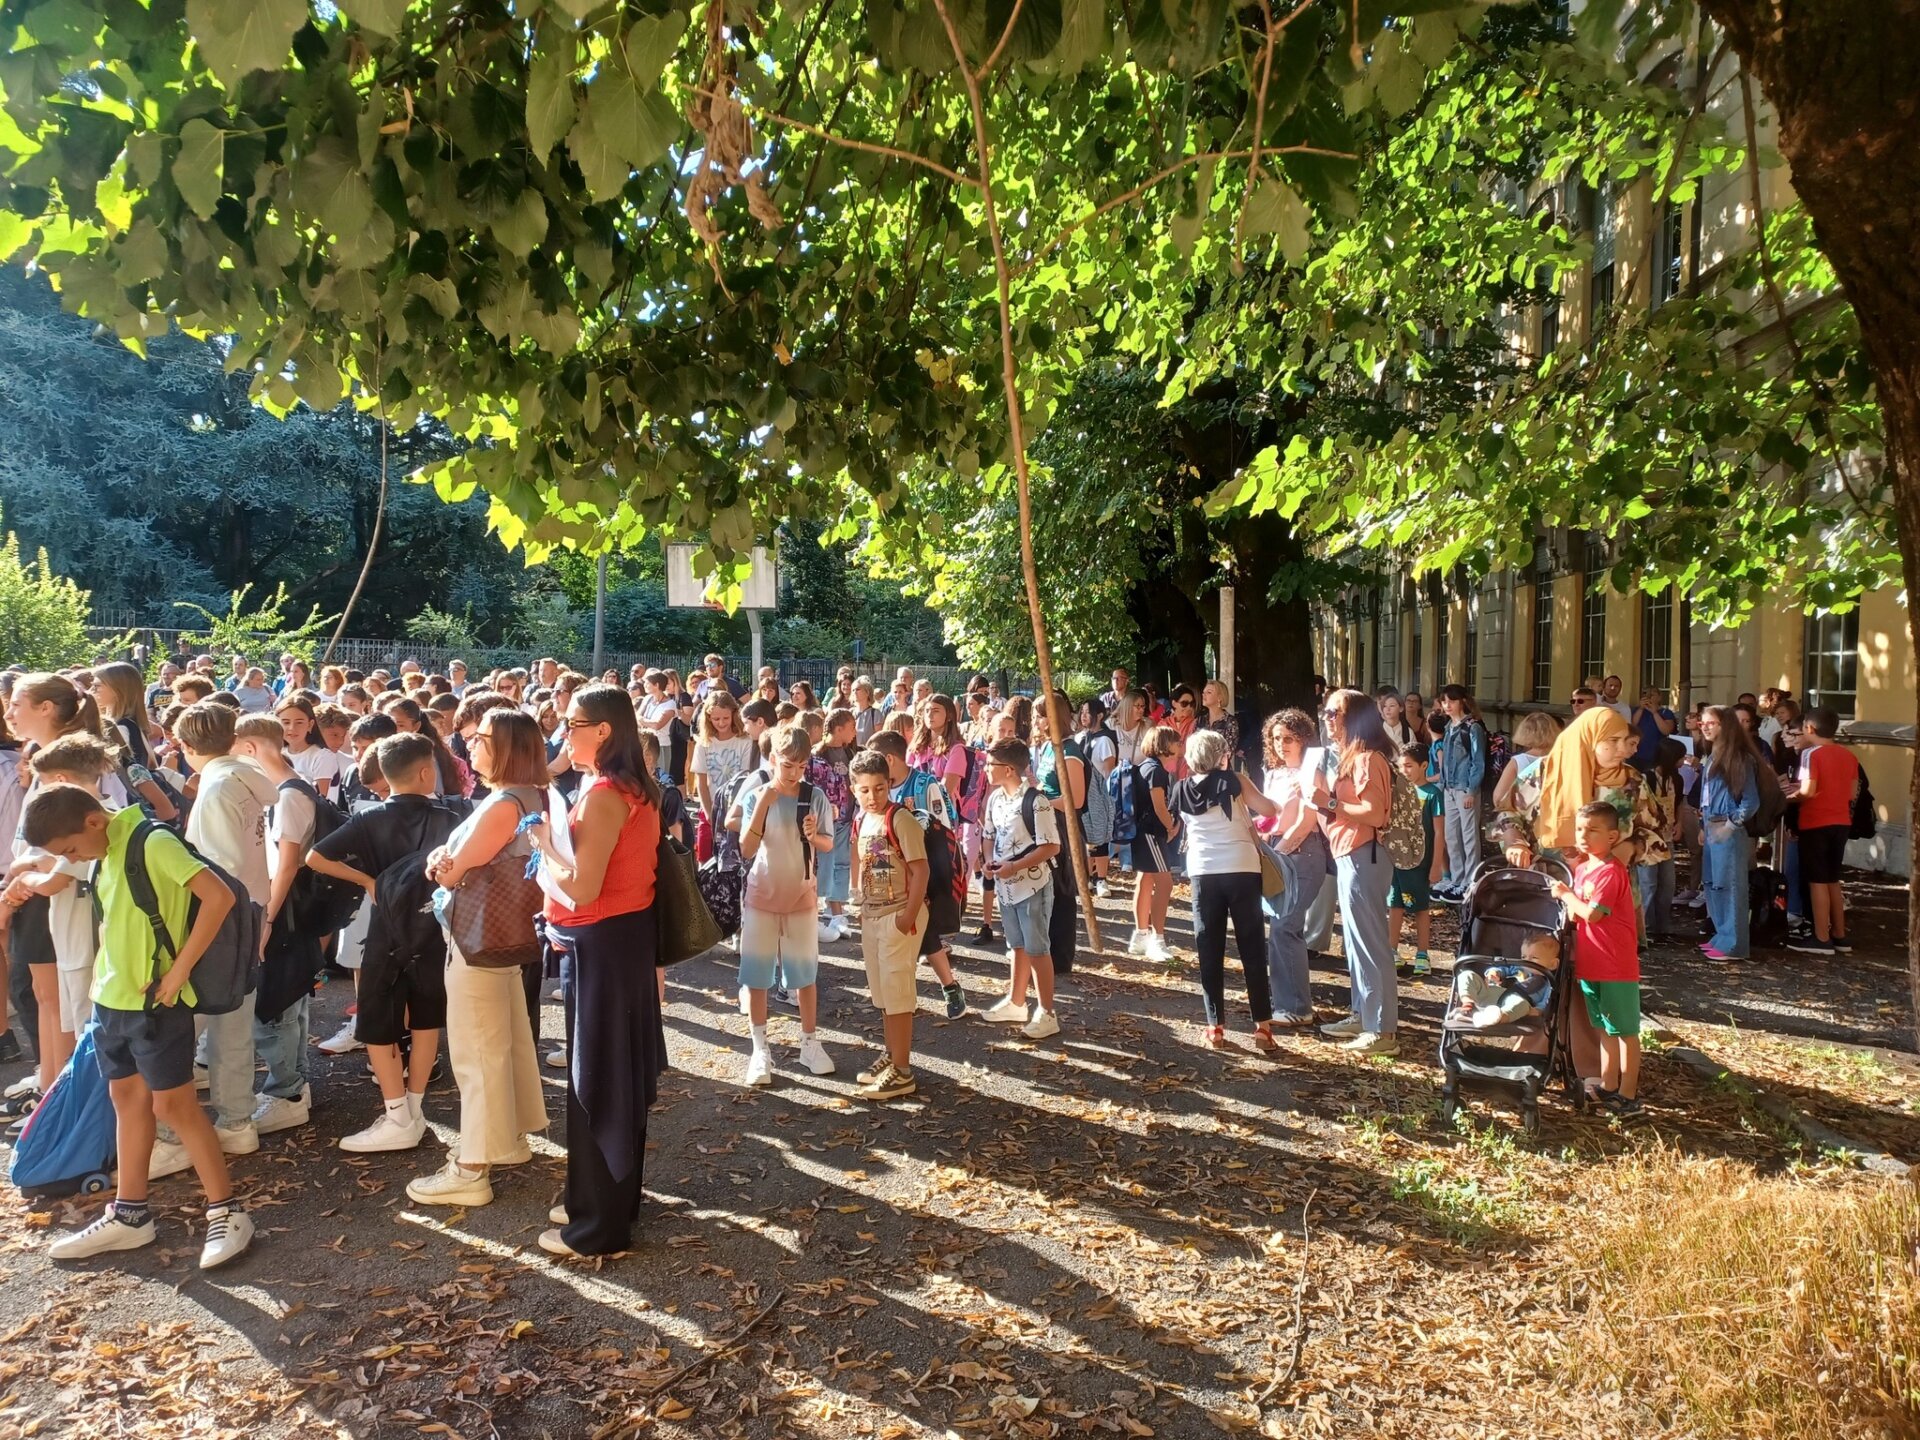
{"x": 1449, "y": 1108}
{"x": 95, "y": 1183}
{"x": 1530, "y": 1118}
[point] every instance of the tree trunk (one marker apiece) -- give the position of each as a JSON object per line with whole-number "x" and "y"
{"x": 1273, "y": 639}
{"x": 1843, "y": 77}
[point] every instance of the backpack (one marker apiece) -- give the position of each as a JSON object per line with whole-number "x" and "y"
{"x": 320, "y": 904}
{"x": 946, "y": 871}
{"x": 404, "y": 925}
{"x": 67, "y": 1145}
{"x": 1773, "y": 803}
{"x": 1863, "y": 821}
{"x": 726, "y": 843}
{"x": 229, "y": 969}
{"x": 973, "y": 788}
{"x": 1406, "y": 834}
{"x": 833, "y": 783}
{"x": 1120, "y": 799}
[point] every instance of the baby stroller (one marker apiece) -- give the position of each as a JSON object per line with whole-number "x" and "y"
{"x": 1514, "y": 1035}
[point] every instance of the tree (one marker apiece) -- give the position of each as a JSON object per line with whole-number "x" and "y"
{"x": 43, "y": 616}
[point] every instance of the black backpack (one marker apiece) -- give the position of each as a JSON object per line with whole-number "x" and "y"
{"x": 404, "y": 928}
{"x": 1773, "y": 803}
{"x": 1863, "y": 820}
{"x": 320, "y": 904}
{"x": 229, "y": 970}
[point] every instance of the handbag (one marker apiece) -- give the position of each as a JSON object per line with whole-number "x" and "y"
{"x": 687, "y": 926}
{"x": 490, "y": 913}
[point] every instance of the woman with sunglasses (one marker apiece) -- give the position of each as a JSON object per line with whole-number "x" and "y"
{"x": 599, "y": 917}
{"x": 1183, "y": 720}
{"x": 1363, "y": 870}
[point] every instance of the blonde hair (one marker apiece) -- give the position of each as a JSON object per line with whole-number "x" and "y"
{"x": 81, "y": 756}
{"x": 789, "y": 742}
{"x": 207, "y": 728}
{"x": 1162, "y": 741}
{"x": 1536, "y": 729}
{"x": 261, "y": 727}
{"x": 1206, "y": 750}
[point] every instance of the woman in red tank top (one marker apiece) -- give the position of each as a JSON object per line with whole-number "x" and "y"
{"x": 605, "y": 932}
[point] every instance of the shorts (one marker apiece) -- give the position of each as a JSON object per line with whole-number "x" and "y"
{"x": 891, "y": 961}
{"x": 156, "y": 1045}
{"x": 30, "y": 937}
{"x": 1150, "y": 855}
{"x": 1613, "y": 1005}
{"x": 75, "y": 1008}
{"x": 789, "y": 942}
{"x": 1823, "y": 850}
{"x": 1410, "y": 891}
{"x": 1025, "y": 922}
{"x": 394, "y": 997}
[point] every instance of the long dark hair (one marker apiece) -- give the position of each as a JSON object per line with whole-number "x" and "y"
{"x": 443, "y": 761}
{"x": 1734, "y": 753}
{"x": 1463, "y": 697}
{"x": 924, "y": 736}
{"x": 619, "y": 758}
{"x": 1361, "y": 723}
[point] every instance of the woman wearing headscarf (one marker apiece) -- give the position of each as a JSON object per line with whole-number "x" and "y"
{"x": 1587, "y": 762}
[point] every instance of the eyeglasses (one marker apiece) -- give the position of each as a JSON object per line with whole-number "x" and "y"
{"x": 479, "y": 736}
{"x": 1183, "y": 704}
{"x": 583, "y": 724}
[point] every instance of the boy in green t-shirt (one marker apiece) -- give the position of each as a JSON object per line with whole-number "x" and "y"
{"x": 1412, "y": 892}
{"x": 143, "y": 1029}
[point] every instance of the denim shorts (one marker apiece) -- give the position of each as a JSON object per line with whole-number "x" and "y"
{"x": 1025, "y": 921}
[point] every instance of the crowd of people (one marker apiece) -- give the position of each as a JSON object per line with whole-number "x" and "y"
{"x": 457, "y": 843}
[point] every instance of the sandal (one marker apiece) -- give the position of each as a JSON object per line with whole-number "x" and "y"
{"x": 1214, "y": 1037}
{"x": 1263, "y": 1036}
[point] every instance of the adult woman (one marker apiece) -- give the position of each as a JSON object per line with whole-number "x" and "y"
{"x": 1184, "y": 719}
{"x": 657, "y": 711}
{"x": 1415, "y": 710}
{"x": 1461, "y": 765}
{"x": 332, "y": 681}
{"x": 298, "y": 678}
{"x": 768, "y": 689}
{"x": 1363, "y": 871}
{"x": 1729, "y": 795}
{"x": 1393, "y": 715}
{"x": 490, "y": 1040}
{"x": 1518, "y": 787}
{"x": 1587, "y": 762}
{"x": 800, "y": 692}
{"x": 1216, "y": 716}
{"x": 1223, "y": 861}
{"x": 312, "y": 761}
{"x": 600, "y": 920}
{"x": 1297, "y": 792}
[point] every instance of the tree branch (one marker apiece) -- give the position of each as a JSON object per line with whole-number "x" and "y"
{"x": 872, "y": 147}
{"x": 986, "y": 66}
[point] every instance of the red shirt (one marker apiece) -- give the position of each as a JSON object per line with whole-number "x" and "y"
{"x": 1606, "y": 947}
{"x": 631, "y": 868}
{"x": 1834, "y": 773}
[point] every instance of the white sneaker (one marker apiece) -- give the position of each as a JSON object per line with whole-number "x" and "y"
{"x": 275, "y": 1113}
{"x": 760, "y": 1068}
{"x": 342, "y": 1040}
{"x": 1343, "y": 1029}
{"x": 169, "y": 1158}
{"x": 1368, "y": 1043}
{"x": 557, "y": 1215}
{"x": 1137, "y": 942}
{"x": 1157, "y": 950}
{"x": 1100, "y": 891}
{"x": 452, "y": 1186}
{"x": 814, "y": 1056}
{"x": 557, "y": 1058}
{"x": 828, "y": 931}
{"x": 241, "y": 1139}
{"x": 386, "y": 1133}
{"x": 109, "y": 1232}
{"x": 229, "y": 1233}
{"x": 1006, "y": 1013}
{"x": 27, "y": 1084}
{"x": 1043, "y": 1024}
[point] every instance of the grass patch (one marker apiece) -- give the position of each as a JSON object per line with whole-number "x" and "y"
{"x": 1463, "y": 1206}
{"x": 1727, "y": 1303}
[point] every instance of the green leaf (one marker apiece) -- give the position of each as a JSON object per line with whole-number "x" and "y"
{"x": 1036, "y": 30}
{"x": 140, "y": 254}
{"x": 328, "y": 185}
{"x": 1397, "y": 76}
{"x": 197, "y": 166}
{"x": 550, "y": 107}
{"x": 1275, "y": 210}
{"x": 637, "y": 126}
{"x": 15, "y": 231}
{"x": 650, "y": 44}
{"x": 237, "y": 37}
{"x": 524, "y": 225}
{"x": 385, "y": 16}
{"x": 605, "y": 170}
{"x": 581, "y": 9}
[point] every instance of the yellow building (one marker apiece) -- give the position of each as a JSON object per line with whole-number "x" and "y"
{"x": 1523, "y": 639}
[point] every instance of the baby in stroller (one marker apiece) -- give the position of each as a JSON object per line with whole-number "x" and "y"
{"x": 1498, "y": 993}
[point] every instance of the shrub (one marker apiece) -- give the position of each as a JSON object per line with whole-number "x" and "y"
{"x": 43, "y": 616}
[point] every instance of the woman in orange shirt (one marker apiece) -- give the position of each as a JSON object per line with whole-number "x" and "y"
{"x": 1363, "y": 870}
{"x": 604, "y": 929}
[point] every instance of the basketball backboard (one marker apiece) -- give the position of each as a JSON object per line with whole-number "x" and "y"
{"x": 685, "y": 591}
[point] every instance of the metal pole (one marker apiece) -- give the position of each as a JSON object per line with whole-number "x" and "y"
{"x": 1226, "y": 642}
{"x": 759, "y": 639}
{"x": 600, "y": 616}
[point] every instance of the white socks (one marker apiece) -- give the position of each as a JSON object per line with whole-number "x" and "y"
{"x": 759, "y": 1036}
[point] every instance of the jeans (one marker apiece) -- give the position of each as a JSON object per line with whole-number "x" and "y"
{"x": 1726, "y": 863}
{"x": 1318, "y": 922}
{"x": 1656, "y": 888}
{"x": 230, "y": 1058}
{"x": 1463, "y": 837}
{"x": 836, "y": 869}
{"x": 1216, "y": 900}
{"x": 282, "y": 1043}
{"x": 1289, "y": 984}
{"x": 1364, "y": 877}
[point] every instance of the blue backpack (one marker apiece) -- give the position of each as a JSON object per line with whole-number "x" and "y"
{"x": 68, "y": 1144}
{"x": 1126, "y": 819}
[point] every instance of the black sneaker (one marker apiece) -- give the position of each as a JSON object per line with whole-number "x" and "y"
{"x": 984, "y": 935}
{"x": 1626, "y": 1109}
{"x": 1811, "y": 946}
{"x": 956, "y": 999}
{"x": 9, "y": 1048}
{"x": 1842, "y": 945}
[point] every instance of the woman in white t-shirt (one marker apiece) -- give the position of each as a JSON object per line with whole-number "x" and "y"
{"x": 657, "y": 712}
{"x": 1215, "y": 806}
{"x": 307, "y": 751}
{"x": 1297, "y": 786}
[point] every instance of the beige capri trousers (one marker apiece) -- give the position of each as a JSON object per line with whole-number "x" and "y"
{"x": 490, "y": 1045}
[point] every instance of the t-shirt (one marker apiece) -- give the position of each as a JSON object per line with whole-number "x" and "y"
{"x": 884, "y": 860}
{"x": 372, "y": 839}
{"x": 291, "y": 818}
{"x": 720, "y": 761}
{"x": 1605, "y": 947}
{"x": 1046, "y": 767}
{"x": 1835, "y": 774}
{"x": 1650, "y": 736}
{"x": 254, "y": 700}
{"x": 319, "y": 767}
{"x": 780, "y": 880}
{"x": 1101, "y": 752}
{"x": 1128, "y": 743}
{"x": 657, "y": 715}
{"x": 128, "y": 961}
{"x": 1219, "y": 840}
{"x": 1367, "y": 781}
{"x": 70, "y": 916}
{"x": 866, "y": 721}
{"x": 1288, "y": 790}
{"x": 1008, "y": 833}
{"x": 1153, "y": 776}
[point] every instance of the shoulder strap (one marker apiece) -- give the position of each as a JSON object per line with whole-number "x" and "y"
{"x": 803, "y": 807}
{"x": 1029, "y": 799}
{"x": 140, "y": 886}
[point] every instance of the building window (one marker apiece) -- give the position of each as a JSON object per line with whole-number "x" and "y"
{"x": 1442, "y": 621}
{"x": 1413, "y": 646}
{"x": 1549, "y": 327}
{"x": 1832, "y": 674}
{"x": 1602, "y": 298}
{"x": 1386, "y": 651}
{"x": 1670, "y": 255}
{"x": 1542, "y": 639}
{"x": 1656, "y": 643}
{"x": 1593, "y": 629}
{"x": 1470, "y": 673}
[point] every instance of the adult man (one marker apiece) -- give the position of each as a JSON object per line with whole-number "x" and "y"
{"x": 169, "y": 672}
{"x": 1610, "y": 689}
{"x": 1122, "y": 682}
{"x": 1582, "y": 698}
{"x": 716, "y": 679}
{"x": 1770, "y": 718}
{"x": 549, "y": 671}
{"x": 457, "y": 677}
{"x": 900, "y": 694}
{"x": 239, "y": 676}
{"x": 1655, "y": 722}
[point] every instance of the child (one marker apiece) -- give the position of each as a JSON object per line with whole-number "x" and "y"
{"x": 779, "y": 840}
{"x": 1024, "y": 839}
{"x": 365, "y": 789}
{"x": 1606, "y": 962}
{"x": 890, "y": 875}
{"x": 831, "y": 770}
{"x": 292, "y": 959}
{"x": 228, "y": 825}
{"x": 1412, "y": 888}
{"x": 1497, "y": 994}
{"x": 1153, "y": 853}
{"x": 144, "y": 1037}
{"x": 933, "y": 808}
{"x": 402, "y": 989}
{"x": 1828, "y": 777}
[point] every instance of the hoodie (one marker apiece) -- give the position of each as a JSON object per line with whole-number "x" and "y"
{"x": 228, "y": 823}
